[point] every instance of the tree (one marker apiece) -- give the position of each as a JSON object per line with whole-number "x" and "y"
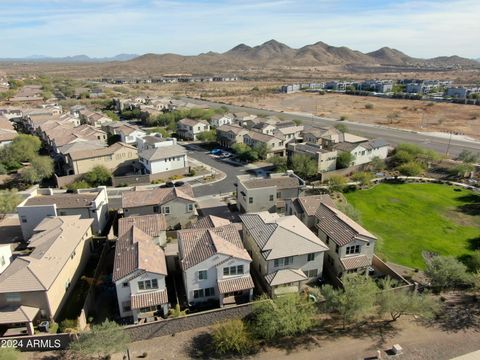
{"x": 462, "y": 170}
{"x": 9, "y": 353}
{"x": 286, "y": 315}
{"x": 298, "y": 122}
{"x": 337, "y": 182}
{"x": 411, "y": 168}
{"x": 468, "y": 157}
{"x": 112, "y": 115}
{"x": 446, "y": 272}
{"x": 345, "y": 160}
{"x": 99, "y": 175}
{"x": 103, "y": 340}
{"x": 9, "y": 199}
{"x": 230, "y": 337}
{"x": 377, "y": 164}
{"x": 304, "y": 165}
{"x": 25, "y": 147}
{"x": 341, "y": 127}
{"x": 207, "y": 136}
{"x": 245, "y": 152}
{"x": 363, "y": 177}
{"x": 355, "y": 302}
{"x": 41, "y": 168}
{"x": 280, "y": 163}
{"x": 401, "y": 157}
{"x": 400, "y": 302}
{"x": 262, "y": 150}
{"x": 392, "y": 117}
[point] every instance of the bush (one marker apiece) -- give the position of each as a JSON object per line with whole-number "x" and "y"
{"x": 80, "y": 184}
{"x": 337, "y": 182}
{"x": 231, "y": 337}
{"x": 364, "y": 178}
{"x": 68, "y": 326}
{"x": 343, "y": 118}
{"x": 99, "y": 175}
{"x": 192, "y": 172}
{"x": 369, "y": 106}
{"x": 410, "y": 169}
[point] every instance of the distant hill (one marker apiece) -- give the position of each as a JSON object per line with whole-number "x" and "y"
{"x": 71, "y": 59}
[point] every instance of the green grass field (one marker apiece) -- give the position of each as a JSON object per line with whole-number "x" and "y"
{"x": 411, "y": 218}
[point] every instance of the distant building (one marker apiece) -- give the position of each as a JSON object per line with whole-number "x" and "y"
{"x": 287, "y": 89}
{"x": 221, "y": 119}
{"x": 326, "y": 160}
{"x": 189, "y": 129}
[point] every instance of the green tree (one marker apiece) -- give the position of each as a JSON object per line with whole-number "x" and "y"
{"x": 446, "y": 272}
{"x": 298, "y": 122}
{"x": 280, "y": 163}
{"x": 80, "y": 184}
{"x": 285, "y": 315}
{"x": 103, "y": 340}
{"x": 304, "y": 166}
{"x": 355, "y": 302}
{"x": 232, "y": 337}
{"x": 411, "y": 168}
{"x": 99, "y": 175}
{"x": 401, "y": 157}
{"x": 462, "y": 170}
{"x": 397, "y": 303}
{"x": 207, "y": 136}
{"x": 41, "y": 168}
{"x": 25, "y": 147}
{"x": 9, "y": 199}
{"x": 245, "y": 152}
{"x": 112, "y": 115}
{"x": 341, "y": 127}
{"x": 262, "y": 150}
{"x": 468, "y": 157}
{"x": 377, "y": 164}
{"x": 363, "y": 177}
{"x": 345, "y": 159}
{"x": 9, "y": 353}
{"x": 337, "y": 183}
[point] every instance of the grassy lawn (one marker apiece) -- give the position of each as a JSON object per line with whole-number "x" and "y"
{"x": 411, "y": 218}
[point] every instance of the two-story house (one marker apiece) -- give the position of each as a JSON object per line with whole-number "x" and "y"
{"x": 129, "y": 134}
{"x": 267, "y": 193}
{"x": 350, "y": 246}
{"x": 36, "y": 286}
{"x": 154, "y": 141}
{"x": 305, "y": 208}
{"x": 153, "y": 225}
{"x": 215, "y": 265}
{"x": 285, "y": 253}
{"x": 221, "y": 119}
{"x": 326, "y": 160}
{"x": 228, "y": 135}
{"x": 275, "y": 143}
{"x": 177, "y": 204}
{"x": 189, "y": 129}
{"x": 42, "y": 203}
{"x": 364, "y": 152}
{"x": 161, "y": 159}
{"x": 139, "y": 273}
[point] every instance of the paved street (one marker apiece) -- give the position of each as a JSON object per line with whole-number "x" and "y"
{"x": 392, "y": 135}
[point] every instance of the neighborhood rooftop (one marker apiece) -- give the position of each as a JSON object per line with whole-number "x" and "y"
{"x": 163, "y": 152}
{"x": 156, "y": 196}
{"x": 152, "y": 224}
{"x": 63, "y": 201}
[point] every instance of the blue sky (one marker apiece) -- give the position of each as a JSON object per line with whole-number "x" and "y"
{"x": 421, "y": 28}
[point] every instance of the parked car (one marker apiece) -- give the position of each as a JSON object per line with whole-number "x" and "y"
{"x": 179, "y": 183}
{"x": 216, "y": 152}
{"x": 226, "y": 154}
{"x": 169, "y": 184}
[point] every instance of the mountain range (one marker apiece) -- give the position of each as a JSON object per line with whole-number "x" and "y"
{"x": 71, "y": 59}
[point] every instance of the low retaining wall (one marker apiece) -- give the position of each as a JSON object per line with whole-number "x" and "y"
{"x": 189, "y": 322}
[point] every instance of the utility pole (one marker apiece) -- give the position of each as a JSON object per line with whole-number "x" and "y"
{"x": 449, "y": 142}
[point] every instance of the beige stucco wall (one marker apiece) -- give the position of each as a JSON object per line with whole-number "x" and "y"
{"x": 122, "y": 157}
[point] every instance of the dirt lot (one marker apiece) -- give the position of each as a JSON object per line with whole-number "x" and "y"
{"x": 408, "y": 114}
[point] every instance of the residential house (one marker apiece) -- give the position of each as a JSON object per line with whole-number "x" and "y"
{"x": 139, "y": 272}
{"x": 305, "y": 208}
{"x": 350, "y": 246}
{"x": 285, "y": 253}
{"x": 164, "y": 158}
{"x": 228, "y": 135}
{"x": 267, "y": 193}
{"x": 241, "y": 118}
{"x": 210, "y": 221}
{"x": 5, "y": 256}
{"x": 290, "y": 132}
{"x": 275, "y": 143}
{"x": 189, "y": 129}
{"x": 129, "y": 134}
{"x": 36, "y": 286}
{"x": 327, "y": 137}
{"x": 116, "y": 156}
{"x": 177, "y": 204}
{"x": 221, "y": 119}
{"x": 61, "y": 159}
{"x": 154, "y": 225}
{"x": 326, "y": 160}
{"x": 154, "y": 141}
{"x": 7, "y": 132}
{"x": 215, "y": 265}
{"x": 95, "y": 119}
{"x": 43, "y": 203}
{"x": 364, "y": 152}
{"x": 264, "y": 128}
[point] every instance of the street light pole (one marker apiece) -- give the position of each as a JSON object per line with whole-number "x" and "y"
{"x": 449, "y": 142}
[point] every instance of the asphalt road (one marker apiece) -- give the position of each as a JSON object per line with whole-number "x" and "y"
{"x": 391, "y": 135}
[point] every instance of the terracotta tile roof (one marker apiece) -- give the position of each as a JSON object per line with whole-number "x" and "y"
{"x": 285, "y": 276}
{"x": 261, "y": 137}
{"x": 270, "y": 232}
{"x": 338, "y": 226}
{"x": 17, "y": 314}
{"x": 197, "y": 245}
{"x": 235, "y": 284}
{"x": 237, "y": 130}
{"x": 88, "y": 154}
{"x": 136, "y": 250}
{"x": 64, "y": 201}
{"x": 147, "y": 299}
{"x": 54, "y": 241}
{"x": 210, "y": 221}
{"x": 355, "y": 262}
{"x": 310, "y": 204}
{"x": 156, "y": 196}
{"x": 152, "y": 225}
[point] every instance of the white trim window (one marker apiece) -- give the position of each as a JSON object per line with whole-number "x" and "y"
{"x": 354, "y": 249}
{"x": 202, "y": 275}
{"x": 283, "y": 261}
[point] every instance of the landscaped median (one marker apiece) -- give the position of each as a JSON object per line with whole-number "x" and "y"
{"x": 414, "y": 219}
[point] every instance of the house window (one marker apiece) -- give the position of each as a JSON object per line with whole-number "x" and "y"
{"x": 271, "y": 197}
{"x": 156, "y": 209}
{"x": 209, "y": 292}
{"x": 127, "y": 308}
{"x": 279, "y": 195}
{"x": 202, "y": 275}
{"x": 337, "y": 248}
{"x": 125, "y": 284}
{"x": 250, "y": 200}
{"x": 148, "y": 284}
{"x": 312, "y": 273}
{"x": 166, "y": 210}
{"x": 327, "y": 240}
{"x": 355, "y": 249}
{"x": 311, "y": 257}
{"x": 141, "y": 285}
{"x": 198, "y": 293}
{"x": 233, "y": 270}
{"x": 283, "y": 261}
{"x": 13, "y": 297}
{"x": 24, "y": 219}
{"x": 189, "y": 207}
